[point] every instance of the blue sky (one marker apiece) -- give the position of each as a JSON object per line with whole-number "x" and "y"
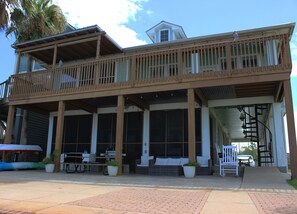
{"x": 127, "y": 20}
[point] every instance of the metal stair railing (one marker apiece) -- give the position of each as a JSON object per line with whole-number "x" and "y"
{"x": 251, "y": 130}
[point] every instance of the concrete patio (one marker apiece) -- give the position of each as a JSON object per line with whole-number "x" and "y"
{"x": 34, "y": 191}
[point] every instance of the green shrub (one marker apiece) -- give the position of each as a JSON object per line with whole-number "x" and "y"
{"x": 293, "y": 183}
{"x": 112, "y": 163}
{"x": 51, "y": 159}
{"x": 192, "y": 163}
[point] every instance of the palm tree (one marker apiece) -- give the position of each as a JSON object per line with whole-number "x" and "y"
{"x": 5, "y": 6}
{"x": 36, "y": 19}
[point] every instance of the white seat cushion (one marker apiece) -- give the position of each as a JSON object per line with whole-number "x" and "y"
{"x": 183, "y": 161}
{"x": 173, "y": 162}
{"x": 161, "y": 161}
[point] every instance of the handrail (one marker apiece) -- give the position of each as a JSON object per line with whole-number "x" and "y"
{"x": 199, "y": 61}
{"x": 267, "y": 144}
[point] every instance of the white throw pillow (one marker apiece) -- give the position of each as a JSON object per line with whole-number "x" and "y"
{"x": 161, "y": 161}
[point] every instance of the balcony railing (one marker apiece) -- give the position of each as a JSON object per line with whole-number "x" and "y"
{"x": 196, "y": 61}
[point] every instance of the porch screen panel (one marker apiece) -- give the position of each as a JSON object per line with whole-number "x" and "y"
{"x": 77, "y": 133}
{"x": 132, "y": 143}
{"x": 175, "y": 132}
{"x": 157, "y": 126}
{"x": 84, "y": 133}
{"x": 106, "y": 132}
{"x": 169, "y": 133}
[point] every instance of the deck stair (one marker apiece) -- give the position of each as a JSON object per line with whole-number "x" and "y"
{"x": 255, "y": 130}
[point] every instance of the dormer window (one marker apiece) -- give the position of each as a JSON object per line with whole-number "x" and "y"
{"x": 165, "y": 31}
{"x": 164, "y": 35}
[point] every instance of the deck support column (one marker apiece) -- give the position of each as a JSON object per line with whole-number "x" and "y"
{"x": 119, "y": 132}
{"x": 205, "y": 138}
{"x": 9, "y": 127}
{"x": 17, "y": 69}
{"x": 291, "y": 128}
{"x": 55, "y": 57}
{"x": 98, "y": 47}
{"x": 59, "y": 134}
{"x": 94, "y": 134}
{"x": 146, "y": 133}
{"x": 50, "y": 136}
{"x": 279, "y": 144}
{"x": 191, "y": 125}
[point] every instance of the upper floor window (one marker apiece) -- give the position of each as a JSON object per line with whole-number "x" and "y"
{"x": 164, "y": 35}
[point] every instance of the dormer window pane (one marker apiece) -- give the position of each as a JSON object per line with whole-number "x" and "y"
{"x": 164, "y": 35}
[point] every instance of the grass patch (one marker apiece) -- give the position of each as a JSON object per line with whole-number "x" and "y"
{"x": 293, "y": 183}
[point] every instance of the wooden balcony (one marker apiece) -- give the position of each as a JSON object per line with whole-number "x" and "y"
{"x": 207, "y": 64}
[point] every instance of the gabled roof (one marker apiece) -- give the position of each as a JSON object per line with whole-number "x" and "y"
{"x": 176, "y": 28}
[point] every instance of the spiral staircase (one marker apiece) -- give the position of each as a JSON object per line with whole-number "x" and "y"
{"x": 256, "y": 130}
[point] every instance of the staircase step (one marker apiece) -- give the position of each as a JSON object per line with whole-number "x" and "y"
{"x": 250, "y": 123}
{"x": 249, "y": 131}
{"x": 262, "y": 107}
{"x": 267, "y": 156}
{"x": 267, "y": 161}
{"x": 251, "y": 136}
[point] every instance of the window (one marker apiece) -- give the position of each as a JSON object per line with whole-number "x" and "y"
{"x": 164, "y": 35}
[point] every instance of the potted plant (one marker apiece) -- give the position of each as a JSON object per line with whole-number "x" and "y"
{"x": 49, "y": 162}
{"x": 190, "y": 169}
{"x": 112, "y": 167}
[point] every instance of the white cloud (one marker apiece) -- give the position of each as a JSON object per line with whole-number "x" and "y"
{"x": 149, "y": 12}
{"x": 110, "y": 15}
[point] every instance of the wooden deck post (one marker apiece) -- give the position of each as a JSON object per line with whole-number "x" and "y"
{"x": 10, "y": 118}
{"x": 228, "y": 58}
{"x": 134, "y": 70}
{"x": 55, "y": 57}
{"x": 18, "y": 63}
{"x": 291, "y": 128}
{"x": 59, "y": 134}
{"x": 119, "y": 132}
{"x": 8, "y": 132}
{"x": 180, "y": 64}
{"x": 191, "y": 125}
{"x": 98, "y": 47}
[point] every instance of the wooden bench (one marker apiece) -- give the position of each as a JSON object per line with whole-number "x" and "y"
{"x": 81, "y": 167}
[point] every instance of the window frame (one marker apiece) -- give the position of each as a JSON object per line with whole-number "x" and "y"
{"x": 168, "y": 35}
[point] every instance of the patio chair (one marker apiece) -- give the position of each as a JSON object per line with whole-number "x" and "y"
{"x": 229, "y": 162}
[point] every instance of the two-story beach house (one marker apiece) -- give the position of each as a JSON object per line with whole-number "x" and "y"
{"x": 176, "y": 97}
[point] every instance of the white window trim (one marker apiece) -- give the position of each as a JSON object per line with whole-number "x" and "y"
{"x": 165, "y": 29}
